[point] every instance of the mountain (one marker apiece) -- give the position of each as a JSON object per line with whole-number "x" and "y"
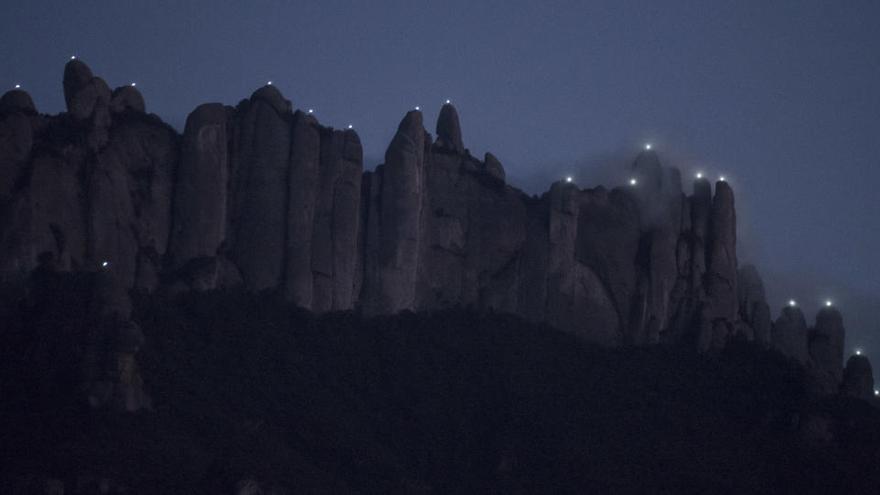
{"x": 110, "y": 207}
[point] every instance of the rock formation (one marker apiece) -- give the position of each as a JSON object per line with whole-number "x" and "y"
{"x": 858, "y": 378}
{"x": 261, "y": 194}
{"x": 826, "y": 350}
{"x": 789, "y": 334}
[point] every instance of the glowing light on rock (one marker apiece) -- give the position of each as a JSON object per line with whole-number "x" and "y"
{"x": 858, "y": 352}
{"x": 792, "y": 303}
{"x": 73, "y": 57}
{"x": 448, "y": 102}
{"x": 633, "y": 182}
{"x": 722, "y": 179}
{"x": 133, "y": 84}
{"x": 877, "y": 392}
{"x": 648, "y": 146}
{"x": 311, "y": 111}
{"x": 105, "y": 264}
{"x": 417, "y": 108}
{"x": 828, "y": 303}
{"x": 269, "y": 83}
{"x": 699, "y": 175}
{"x": 568, "y": 179}
{"x": 18, "y": 86}
{"x": 350, "y": 126}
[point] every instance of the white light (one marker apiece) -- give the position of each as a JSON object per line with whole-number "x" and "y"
{"x": 350, "y": 126}
{"x": 633, "y": 182}
{"x": 448, "y": 102}
{"x": 722, "y": 179}
{"x": 133, "y": 84}
{"x": 568, "y": 179}
{"x": 105, "y": 264}
{"x": 269, "y": 83}
{"x": 311, "y": 111}
{"x": 417, "y": 108}
{"x": 858, "y": 352}
{"x": 828, "y": 303}
{"x": 877, "y": 392}
{"x": 18, "y": 86}
{"x": 792, "y": 303}
{"x": 73, "y": 57}
{"x": 699, "y": 175}
{"x": 648, "y": 146}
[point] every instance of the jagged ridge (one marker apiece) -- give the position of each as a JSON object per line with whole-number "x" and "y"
{"x": 264, "y": 196}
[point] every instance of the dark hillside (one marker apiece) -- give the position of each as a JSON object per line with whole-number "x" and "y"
{"x": 248, "y": 388}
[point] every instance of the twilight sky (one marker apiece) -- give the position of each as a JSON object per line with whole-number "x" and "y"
{"x": 781, "y": 97}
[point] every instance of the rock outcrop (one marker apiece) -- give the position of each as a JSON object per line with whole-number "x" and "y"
{"x": 858, "y": 378}
{"x": 789, "y": 334}
{"x": 262, "y": 195}
{"x": 826, "y": 350}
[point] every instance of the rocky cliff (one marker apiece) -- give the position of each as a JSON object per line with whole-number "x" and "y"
{"x": 262, "y": 195}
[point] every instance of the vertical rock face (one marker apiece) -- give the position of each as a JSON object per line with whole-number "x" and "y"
{"x": 608, "y": 244}
{"x": 753, "y": 307}
{"x": 721, "y": 267}
{"x": 266, "y": 197}
{"x": 660, "y": 199}
{"x": 260, "y": 187}
{"x": 302, "y": 190}
{"x": 826, "y": 350}
{"x": 130, "y": 192}
{"x": 394, "y": 246}
{"x": 199, "y": 209}
{"x": 789, "y": 334}
{"x": 858, "y": 378}
{"x": 335, "y": 234}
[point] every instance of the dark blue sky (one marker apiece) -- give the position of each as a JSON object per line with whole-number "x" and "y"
{"x": 781, "y": 97}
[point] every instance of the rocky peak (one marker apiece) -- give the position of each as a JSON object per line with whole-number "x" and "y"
{"x": 265, "y": 197}
{"x": 17, "y": 100}
{"x": 127, "y": 98}
{"x": 789, "y": 334}
{"x": 647, "y": 169}
{"x": 858, "y": 378}
{"x": 85, "y": 94}
{"x": 270, "y": 95}
{"x": 826, "y": 349}
{"x": 449, "y": 130}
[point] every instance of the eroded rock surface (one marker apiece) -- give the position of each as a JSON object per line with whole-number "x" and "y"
{"x": 262, "y": 195}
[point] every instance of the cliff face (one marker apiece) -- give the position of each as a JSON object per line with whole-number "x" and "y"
{"x": 262, "y": 195}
